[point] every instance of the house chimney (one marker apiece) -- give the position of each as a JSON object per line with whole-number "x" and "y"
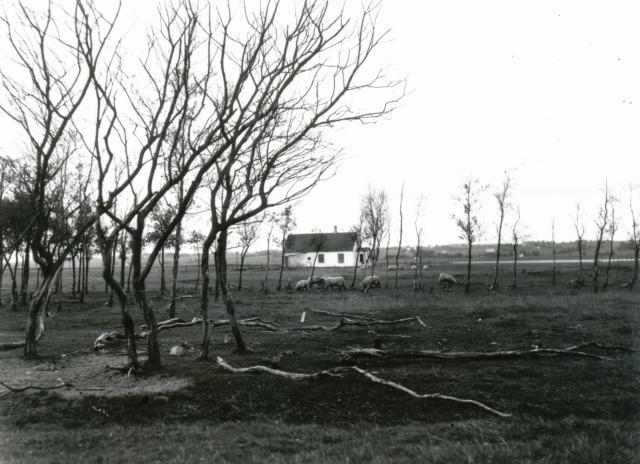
{"x": 335, "y": 229}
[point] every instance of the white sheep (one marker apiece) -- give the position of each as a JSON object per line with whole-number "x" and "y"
{"x": 334, "y": 281}
{"x": 302, "y": 285}
{"x": 317, "y": 280}
{"x": 371, "y": 282}
{"x": 391, "y": 267}
{"x": 447, "y": 280}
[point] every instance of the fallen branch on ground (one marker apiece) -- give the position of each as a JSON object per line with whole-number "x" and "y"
{"x": 61, "y": 383}
{"x": 602, "y": 347}
{"x": 354, "y": 353}
{"x": 357, "y": 320}
{"x": 107, "y": 338}
{"x": 337, "y": 371}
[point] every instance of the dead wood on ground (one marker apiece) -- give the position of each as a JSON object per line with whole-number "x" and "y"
{"x": 354, "y": 353}
{"x": 337, "y": 371}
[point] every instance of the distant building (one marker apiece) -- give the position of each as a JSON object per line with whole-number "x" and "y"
{"x": 337, "y": 249}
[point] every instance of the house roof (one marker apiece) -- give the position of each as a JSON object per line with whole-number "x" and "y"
{"x": 307, "y": 243}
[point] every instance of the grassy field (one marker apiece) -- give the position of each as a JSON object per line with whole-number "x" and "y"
{"x": 564, "y": 409}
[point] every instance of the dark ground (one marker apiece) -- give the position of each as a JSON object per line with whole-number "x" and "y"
{"x": 565, "y": 409}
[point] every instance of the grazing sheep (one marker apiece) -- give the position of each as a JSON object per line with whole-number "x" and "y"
{"x": 317, "y": 280}
{"x": 371, "y": 282}
{"x": 302, "y": 285}
{"x": 447, "y": 280}
{"x": 391, "y": 267}
{"x": 414, "y": 267}
{"x": 425, "y": 267}
{"x": 334, "y": 281}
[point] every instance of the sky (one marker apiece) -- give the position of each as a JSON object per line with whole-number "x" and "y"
{"x": 548, "y": 91}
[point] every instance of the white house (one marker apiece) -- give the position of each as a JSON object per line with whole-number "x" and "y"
{"x": 337, "y": 249}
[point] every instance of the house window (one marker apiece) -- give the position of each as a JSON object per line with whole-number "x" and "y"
{"x": 340, "y": 258}
{"x": 361, "y": 258}
{"x": 321, "y": 258}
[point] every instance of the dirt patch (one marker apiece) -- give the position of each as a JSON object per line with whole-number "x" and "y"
{"x": 89, "y": 375}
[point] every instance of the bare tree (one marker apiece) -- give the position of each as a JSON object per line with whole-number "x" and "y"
{"x": 195, "y": 239}
{"x": 248, "y": 233}
{"x": 635, "y": 239}
{"x": 42, "y": 99}
{"x": 601, "y": 222}
{"x": 417, "y": 275}
{"x": 356, "y": 231}
{"x": 578, "y": 225}
{"x": 502, "y": 197}
{"x": 399, "y": 235}
{"x": 467, "y": 222}
{"x": 285, "y": 223}
{"x": 375, "y": 215}
{"x": 611, "y": 233}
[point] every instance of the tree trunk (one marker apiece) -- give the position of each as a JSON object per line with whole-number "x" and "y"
{"x": 14, "y": 285}
{"x": 580, "y": 269}
{"x": 154, "y": 360}
{"x": 73, "y": 276}
{"x": 162, "y": 279}
{"x": 123, "y": 261}
{"x": 112, "y": 269}
{"x": 129, "y": 276}
{"x": 174, "y": 271}
{"x": 496, "y": 276}
{"x": 595, "y": 266}
{"x": 36, "y": 314}
{"x": 355, "y": 266}
{"x": 87, "y": 258}
{"x": 198, "y": 271}
{"x": 24, "y": 282}
{"x": 221, "y": 271}
{"x": 81, "y": 275}
{"x": 242, "y": 256}
{"x": 636, "y": 255}
{"x": 108, "y": 262}
{"x": 204, "y": 296}
{"x": 216, "y": 295}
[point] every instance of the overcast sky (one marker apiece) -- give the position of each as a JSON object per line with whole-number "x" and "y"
{"x": 549, "y": 90}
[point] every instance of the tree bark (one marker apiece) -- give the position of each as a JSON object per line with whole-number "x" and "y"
{"x": 163, "y": 285}
{"x": 24, "y": 282}
{"x": 204, "y": 296}
{"x": 221, "y": 271}
{"x": 356, "y": 265}
{"x": 116, "y": 287}
{"x": 174, "y": 270}
{"x": 242, "y": 256}
{"x": 636, "y": 260}
{"x": 282, "y": 261}
{"x": 154, "y": 360}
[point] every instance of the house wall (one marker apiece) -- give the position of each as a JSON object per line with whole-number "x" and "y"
{"x": 330, "y": 259}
